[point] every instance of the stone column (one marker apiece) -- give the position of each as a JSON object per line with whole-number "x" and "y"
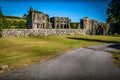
{"x": 68, "y": 26}
{"x": 55, "y": 25}
{"x": 59, "y": 26}
{"x": 62, "y": 26}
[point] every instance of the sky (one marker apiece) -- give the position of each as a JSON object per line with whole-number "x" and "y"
{"x": 75, "y": 10}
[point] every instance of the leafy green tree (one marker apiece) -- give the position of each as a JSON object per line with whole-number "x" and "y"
{"x": 25, "y": 16}
{"x": 22, "y": 24}
{"x": 3, "y": 22}
{"x": 9, "y": 24}
{"x": 113, "y": 13}
{"x": 14, "y": 23}
{"x": 74, "y": 25}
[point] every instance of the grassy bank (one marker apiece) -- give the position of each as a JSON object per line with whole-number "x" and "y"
{"x": 14, "y": 18}
{"x": 116, "y": 58}
{"x": 18, "y": 52}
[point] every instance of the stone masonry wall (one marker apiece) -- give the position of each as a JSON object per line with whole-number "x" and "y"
{"x": 40, "y": 32}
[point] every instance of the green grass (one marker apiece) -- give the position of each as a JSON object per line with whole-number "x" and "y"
{"x": 18, "y": 52}
{"x": 116, "y": 58}
{"x": 15, "y": 19}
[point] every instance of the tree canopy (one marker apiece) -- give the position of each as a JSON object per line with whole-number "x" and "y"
{"x": 3, "y": 22}
{"x": 113, "y": 13}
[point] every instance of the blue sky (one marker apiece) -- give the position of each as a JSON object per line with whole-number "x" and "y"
{"x": 75, "y": 10}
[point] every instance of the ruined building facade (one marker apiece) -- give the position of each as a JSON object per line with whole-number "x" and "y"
{"x": 92, "y": 27}
{"x": 37, "y": 20}
{"x": 60, "y": 22}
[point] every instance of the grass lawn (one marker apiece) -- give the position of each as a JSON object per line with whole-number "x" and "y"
{"x": 17, "y": 52}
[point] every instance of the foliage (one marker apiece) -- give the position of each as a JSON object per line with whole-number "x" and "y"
{"x": 3, "y": 22}
{"x": 74, "y": 25}
{"x": 0, "y": 32}
{"x": 113, "y": 13}
{"x": 11, "y": 24}
{"x": 22, "y": 24}
{"x": 25, "y": 16}
{"x": 116, "y": 58}
{"x": 16, "y": 24}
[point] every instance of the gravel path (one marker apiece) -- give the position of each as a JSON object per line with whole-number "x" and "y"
{"x": 90, "y": 63}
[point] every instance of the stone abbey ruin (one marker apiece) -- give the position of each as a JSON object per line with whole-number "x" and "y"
{"x": 39, "y": 24}
{"x": 39, "y": 20}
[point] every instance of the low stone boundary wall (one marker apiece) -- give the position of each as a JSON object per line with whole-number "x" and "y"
{"x": 40, "y": 32}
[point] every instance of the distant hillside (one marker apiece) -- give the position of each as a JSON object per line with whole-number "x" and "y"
{"x": 14, "y": 18}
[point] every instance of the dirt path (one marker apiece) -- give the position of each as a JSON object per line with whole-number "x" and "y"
{"x": 90, "y": 63}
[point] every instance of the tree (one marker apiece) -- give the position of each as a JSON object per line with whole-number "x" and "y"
{"x": 113, "y": 13}
{"x": 3, "y": 22}
{"x": 25, "y": 16}
{"x": 74, "y": 25}
{"x": 21, "y": 24}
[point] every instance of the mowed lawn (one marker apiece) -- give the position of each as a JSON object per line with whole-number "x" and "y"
{"x": 17, "y": 52}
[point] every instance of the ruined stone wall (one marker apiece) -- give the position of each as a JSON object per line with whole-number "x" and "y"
{"x": 40, "y": 32}
{"x": 37, "y": 19}
{"x": 60, "y": 22}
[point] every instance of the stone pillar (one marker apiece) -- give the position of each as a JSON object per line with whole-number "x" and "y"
{"x": 34, "y": 26}
{"x": 62, "y": 26}
{"x": 87, "y": 25}
{"x": 49, "y": 25}
{"x": 55, "y": 25}
{"x": 68, "y": 25}
{"x": 59, "y": 26}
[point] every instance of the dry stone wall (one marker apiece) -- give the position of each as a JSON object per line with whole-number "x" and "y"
{"x": 40, "y": 32}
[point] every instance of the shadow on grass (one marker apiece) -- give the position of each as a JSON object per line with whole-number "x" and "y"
{"x": 114, "y": 45}
{"x": 93, "y": 40}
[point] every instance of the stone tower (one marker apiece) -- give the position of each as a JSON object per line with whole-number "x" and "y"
{"x": 86, "y": 23}
{"x": 89, "y": 25}
{"x": 37, "y": 19}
